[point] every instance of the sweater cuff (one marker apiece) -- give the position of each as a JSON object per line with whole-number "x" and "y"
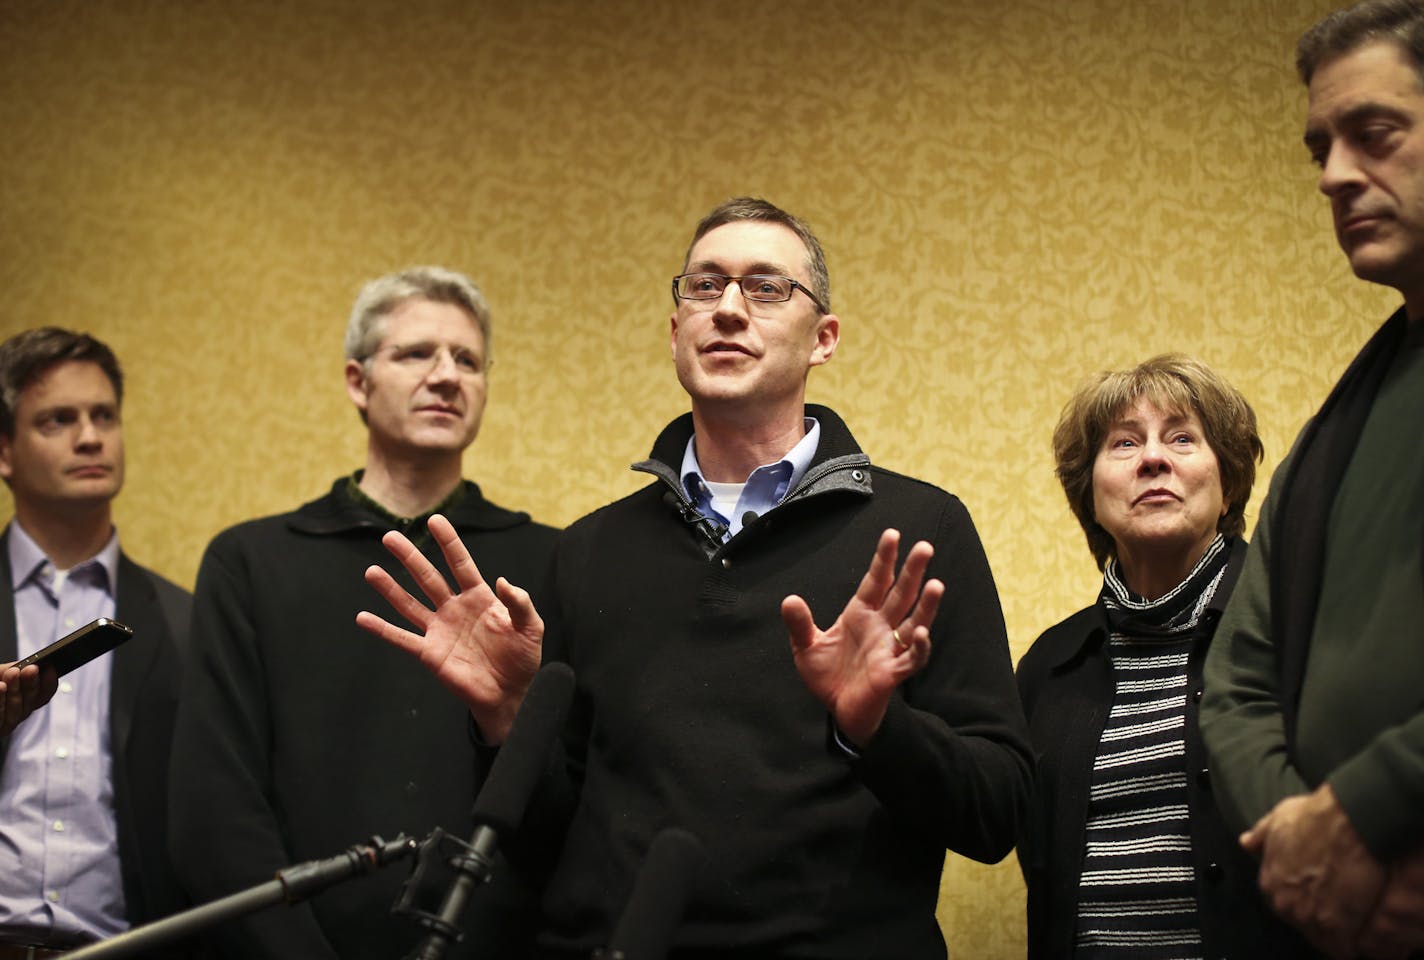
{"x": 1380, "y": 802}
{"x": 477, "y": 738}
{"x": 837, "y": 743}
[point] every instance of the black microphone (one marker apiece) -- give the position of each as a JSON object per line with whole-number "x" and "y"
{"x": 500, "y": 805}
{"x": 660, "y": 893}
{"x": 521, "y": 760}
{"x": 713, "y": 529}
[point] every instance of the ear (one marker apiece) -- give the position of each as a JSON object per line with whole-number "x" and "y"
{"x": 828, "y": 336}
{"x": 672, "y": 333}
{"x": 7, "y": 468}
{"x": 356, "y": 384}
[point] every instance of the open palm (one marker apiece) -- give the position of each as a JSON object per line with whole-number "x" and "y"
{"x": 880, "y": 639}
{"x": 482, "y": 643}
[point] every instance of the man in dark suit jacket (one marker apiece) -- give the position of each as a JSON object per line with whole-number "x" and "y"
{"x": 83, "y": 782}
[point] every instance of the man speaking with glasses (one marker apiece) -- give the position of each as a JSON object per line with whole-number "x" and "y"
{"x": 826, "y": 774}
{"x": 299, "y": 735}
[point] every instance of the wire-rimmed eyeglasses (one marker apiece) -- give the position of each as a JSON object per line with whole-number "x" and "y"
{"x": 423, "y": 357}
{"x": 761, "y": 287}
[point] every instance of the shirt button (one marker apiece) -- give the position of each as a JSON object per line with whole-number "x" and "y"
{"x": 52, "y": 896}
{"x": 69, "y": 621}
{"x": 1197, "y": 695}
{"x": 726, "y": 563}
{"x": 62, "y": 753}
{"x": 66, "y": 687}
{"x": 59, "y": 826}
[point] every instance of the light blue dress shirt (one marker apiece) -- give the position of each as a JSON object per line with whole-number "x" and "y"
{"x": 766, "y": 487}
{"x": 59, "y": 853}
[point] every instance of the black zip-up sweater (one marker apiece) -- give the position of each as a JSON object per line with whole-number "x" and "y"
{"x": 690, "y": 712}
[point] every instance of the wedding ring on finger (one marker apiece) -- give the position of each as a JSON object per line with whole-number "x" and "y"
{"x": 900, "y": 645}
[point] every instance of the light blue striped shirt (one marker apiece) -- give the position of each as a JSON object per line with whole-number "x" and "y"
{"x": 59, "y": 859}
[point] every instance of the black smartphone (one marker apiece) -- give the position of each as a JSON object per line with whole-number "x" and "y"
{"x": 81, "y": 646}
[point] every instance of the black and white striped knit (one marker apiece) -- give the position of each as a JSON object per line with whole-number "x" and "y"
{"x": 1136, "y": 895}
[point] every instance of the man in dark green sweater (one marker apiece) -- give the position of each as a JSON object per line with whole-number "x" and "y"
{"x": 825, "y": 771}
{"x": 1314, "y": 709}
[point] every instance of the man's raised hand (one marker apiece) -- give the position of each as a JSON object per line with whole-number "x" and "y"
{"x": 484, "y": 644}
{"x": 880, "y": 639}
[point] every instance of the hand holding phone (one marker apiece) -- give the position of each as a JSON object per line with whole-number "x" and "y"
{"x": 81, "y": 646}
{"x": 21, "y": 695}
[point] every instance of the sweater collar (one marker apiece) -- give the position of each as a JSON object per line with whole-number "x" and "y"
{"x": 341, "y": 511}
{"x": 836, "y": 450}
{"x": 1080, "y": 645}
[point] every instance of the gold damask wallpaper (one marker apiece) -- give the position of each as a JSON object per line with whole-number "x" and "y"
{"x": 1012, "y": 195}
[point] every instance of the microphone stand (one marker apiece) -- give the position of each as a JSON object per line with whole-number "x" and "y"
{"x": 473, "y": 865}
{"x": 499, "y": 808}
{"x": 292, "y": 885}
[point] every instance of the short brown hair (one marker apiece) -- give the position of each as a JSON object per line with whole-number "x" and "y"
{"x": 1174, "y": 383}
{"x": 755, "y": 209}
{"x": 1397, "y": 21}
{"x": 28, "y": 356}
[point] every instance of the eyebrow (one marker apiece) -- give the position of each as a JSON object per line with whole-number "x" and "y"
{"x": 1174, "y": 420}
{"x": 102, "y": 405}
{"x": 1354, "y": 116}
{"x": 432, "y": 345}
{"x": 756, "y": 269}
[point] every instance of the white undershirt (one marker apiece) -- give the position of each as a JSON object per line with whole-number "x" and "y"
{"x": 725, "y": 496}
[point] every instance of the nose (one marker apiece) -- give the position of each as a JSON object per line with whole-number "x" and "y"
{"x": 1340, "y": 173}
{"x": 89, "y": 437}
{"x": 443, "y": 368}
{"x": 1153, "y": 459}
{"x": 730, "y": 309}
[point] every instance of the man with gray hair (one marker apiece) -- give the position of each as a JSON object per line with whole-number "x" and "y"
{"x": 1314, "y": 714}
{"x": 289, "y": 749}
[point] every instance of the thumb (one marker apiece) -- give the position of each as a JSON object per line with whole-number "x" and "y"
{"x": 522, "y": 615}
{"x": 1253, "y": 841}
{"x": 799, "y": 623}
